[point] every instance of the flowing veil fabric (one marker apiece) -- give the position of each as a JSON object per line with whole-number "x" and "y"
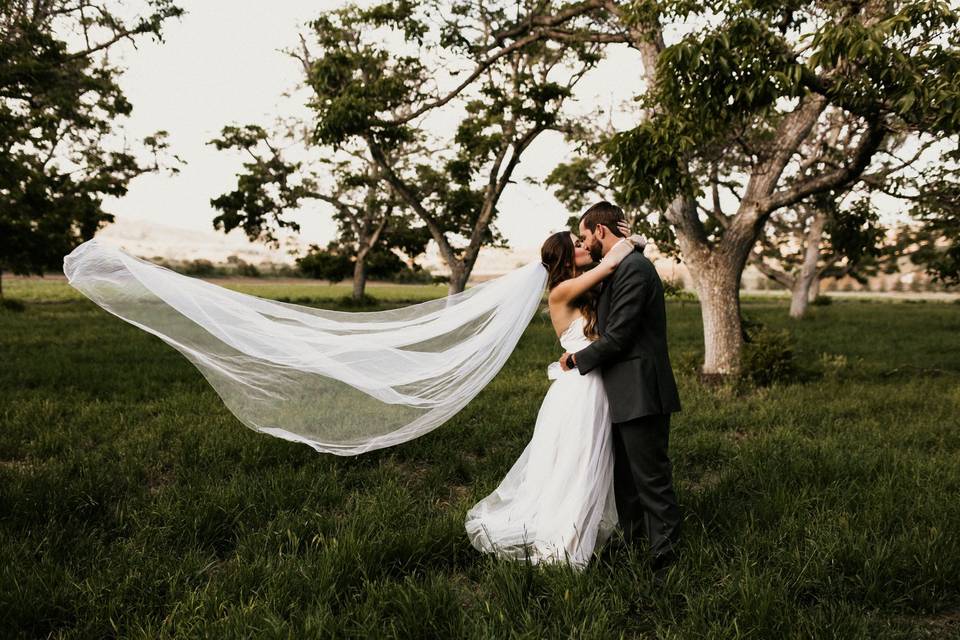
{"x": 344, "y": 383}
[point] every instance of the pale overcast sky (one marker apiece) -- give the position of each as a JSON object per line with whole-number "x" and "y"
{"x": 222, "y": 63}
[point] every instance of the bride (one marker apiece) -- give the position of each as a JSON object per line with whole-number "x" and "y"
{"x": 556, "y": 504}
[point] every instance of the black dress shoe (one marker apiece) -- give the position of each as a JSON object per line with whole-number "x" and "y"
{"x": 662, "y": 561}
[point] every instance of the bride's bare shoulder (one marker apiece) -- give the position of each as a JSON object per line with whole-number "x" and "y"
{"x": 561, "y": 316}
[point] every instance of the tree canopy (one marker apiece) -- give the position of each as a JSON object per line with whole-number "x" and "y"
{"x": 60, "y": 109}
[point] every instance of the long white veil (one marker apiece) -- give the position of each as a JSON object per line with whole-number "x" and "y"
{"x": 344, "y": 383}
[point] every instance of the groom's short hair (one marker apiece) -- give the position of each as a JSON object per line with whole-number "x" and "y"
{"x": 604, "y": 213}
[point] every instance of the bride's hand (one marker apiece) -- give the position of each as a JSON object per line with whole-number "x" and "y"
{"x": 638, "y": 241}
{"x": 617, "y": 253}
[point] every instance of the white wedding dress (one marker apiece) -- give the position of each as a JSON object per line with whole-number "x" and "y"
{"x": 556, "y": 504}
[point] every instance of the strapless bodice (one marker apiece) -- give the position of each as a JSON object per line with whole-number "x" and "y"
{"x": 573, "y": 338}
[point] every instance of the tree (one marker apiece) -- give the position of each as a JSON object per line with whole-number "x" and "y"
{"x": 837, "y": 233}
{"x": 372, "y": 84}
{"x": 818, "y": 240}
{"x": 736, "y": 95}
{"x": 271, "y": 187}
{"x": 588, "y": 178}
{"x": 60, "y": 106}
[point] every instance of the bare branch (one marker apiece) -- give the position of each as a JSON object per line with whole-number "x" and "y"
{"x": 562, "y": 35}
{"x": 879, "y": 177}
{"x": 770, "y": 271}
{"x": 406, "y": 194}
{"x": 534, "y": 28}
{"x": 869, "y": 143}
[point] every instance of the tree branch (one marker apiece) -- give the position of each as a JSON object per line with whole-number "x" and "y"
{"x": 869, "y": 143}
{"x": 770, "y": 271}
{"x": 793, "y": 129}
{"x": 406, "y": 193}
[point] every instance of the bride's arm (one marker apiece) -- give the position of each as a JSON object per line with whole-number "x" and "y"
{"x": 569, "y": 290}
{"x": 638, "y": 241}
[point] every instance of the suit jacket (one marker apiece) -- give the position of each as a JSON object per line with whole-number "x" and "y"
{"x": 632, "y": 349}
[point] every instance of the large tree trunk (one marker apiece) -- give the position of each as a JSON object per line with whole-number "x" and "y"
{"x": 359, "y": 277}
{"x": 808, "y": 271}
{"x": 717, "y": 281}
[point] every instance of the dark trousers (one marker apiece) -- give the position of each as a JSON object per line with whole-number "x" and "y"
{"x": 643, "y": 482}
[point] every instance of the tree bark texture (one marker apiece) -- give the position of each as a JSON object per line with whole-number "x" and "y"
{"x": 717, "y": 280}
{"x": 359, "y": 277}
{"x": 459, "y": 274}
{"x": 808, "y": 271}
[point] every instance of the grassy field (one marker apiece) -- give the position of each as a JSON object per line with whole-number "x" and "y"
{"x": 56, "y": 289}
{"x": 132, "y": 504}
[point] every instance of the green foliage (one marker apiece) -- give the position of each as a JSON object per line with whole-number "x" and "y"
{"x": 247, "y": 270}
{"x": 723, "y": 89}
{"x": 356, "y": 80}
{"x": 855, "y": 231}
{"x": 335, "y": 264}
{"x": 822, "y": 301}
{"x": 233, "y": 267}
{"x": 852, "y": 241}
{"x": 270, "y": 189}
{"x": 674, "y": 289}
{"x": 417, "y": 275}
{"x": 135, "y": 505}
{"x": 768, "y": 355}
{"x": 588, "y": 178}
{"x": 933, "y": 240}
{"x": 833, "y": 365}
{"x": 266, "y": 191}
{"x": 574, "y": 181}
{"x": 200, "y": 268}
{"x": 711, "y": 87}
{"x": 325, "y": 264}
{"x": 59, "y": 105}
{"x": 384, "y": 265}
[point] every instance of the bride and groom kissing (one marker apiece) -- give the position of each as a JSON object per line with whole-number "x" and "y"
{"x": 598, "y": 456}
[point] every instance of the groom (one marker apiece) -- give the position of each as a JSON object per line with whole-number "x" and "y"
{"x": 632, "y": 356}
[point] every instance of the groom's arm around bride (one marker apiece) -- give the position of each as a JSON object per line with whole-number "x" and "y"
{"x": 632, "y": 349}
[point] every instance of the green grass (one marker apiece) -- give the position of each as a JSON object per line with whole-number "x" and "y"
{"x": 132, "y": 504}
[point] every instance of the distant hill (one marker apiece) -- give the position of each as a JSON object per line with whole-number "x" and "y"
{"x": 150, "y": 239}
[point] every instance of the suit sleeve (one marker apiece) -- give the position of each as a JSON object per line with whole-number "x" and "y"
{"x": 629, "y": 292}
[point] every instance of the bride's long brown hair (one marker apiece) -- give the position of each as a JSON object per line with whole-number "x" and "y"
{"x": 557, "y": 255}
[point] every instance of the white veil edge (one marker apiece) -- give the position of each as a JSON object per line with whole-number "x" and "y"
{"x": 343, "y": 383}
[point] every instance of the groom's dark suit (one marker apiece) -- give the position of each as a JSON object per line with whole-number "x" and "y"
{"x": 633, "y": 360}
